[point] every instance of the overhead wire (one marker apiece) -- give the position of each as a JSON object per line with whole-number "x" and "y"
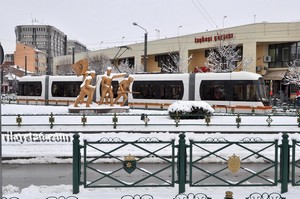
{"x": 206, "y": 15}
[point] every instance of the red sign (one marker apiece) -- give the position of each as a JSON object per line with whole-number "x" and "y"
{"x": 213, "y": 38}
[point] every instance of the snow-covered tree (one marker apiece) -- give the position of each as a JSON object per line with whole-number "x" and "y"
{"x": 125, "y": 67}
{"x": 169, "y": 63}
{"x": 175, "y": 63}
{"x": 293, "y": 74}
{"x": 139, "y": 68}
{"x": 64, "y": 66}
{"x": 225, "y": 57}
{"x": 99, "y": 63}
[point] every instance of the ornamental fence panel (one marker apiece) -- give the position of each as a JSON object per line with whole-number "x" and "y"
{"x": 295, "y": 163}
{"x": 141, "y": 159}
{"x": 252, "y": 162}
{"x": 150, "y": 162}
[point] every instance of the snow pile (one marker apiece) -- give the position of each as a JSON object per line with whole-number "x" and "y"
{"x": 190, "y": 109}
{"x": 65, "y": 191}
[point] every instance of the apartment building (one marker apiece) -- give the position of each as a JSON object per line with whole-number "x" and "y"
{"x": 45, "y": 38}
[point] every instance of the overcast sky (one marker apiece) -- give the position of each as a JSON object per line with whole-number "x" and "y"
{"x": 106, "y": 23}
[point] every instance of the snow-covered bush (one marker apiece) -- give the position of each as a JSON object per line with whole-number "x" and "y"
{"x": 190, "y": 110}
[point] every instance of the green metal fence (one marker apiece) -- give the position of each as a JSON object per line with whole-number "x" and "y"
{"x": 133, "y": 170}
{"x": 120, "y": 121}
{"x": 295, "y": 163}
{"x": 255, "y": 166}
{"x": 212, "y": 162}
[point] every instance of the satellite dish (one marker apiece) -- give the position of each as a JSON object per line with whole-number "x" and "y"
{"x": 1, "y": 55}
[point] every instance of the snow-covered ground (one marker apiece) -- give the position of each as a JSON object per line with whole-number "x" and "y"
{"x": 45, "y": 152}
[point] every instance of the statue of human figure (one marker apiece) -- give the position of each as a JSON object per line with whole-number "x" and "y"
{"x": 86, "y": 89}
{"x": 124, "y": 89}
{"x": 106, "y": 86}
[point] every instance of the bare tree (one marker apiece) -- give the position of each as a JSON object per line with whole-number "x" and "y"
{"x": 175, "y": 63}
{"x": 293, "y": 74}
{"x": 64, "y": 66}
{"x": 124, "y": 67}
{"x": 99, "y": 63}
{"x": 170, "y": 63}
{"x": 139, "y": 68}
{"x": 225, "y": 57}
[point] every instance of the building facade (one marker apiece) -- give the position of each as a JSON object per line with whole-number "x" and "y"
{"x": 45, "y": 38}
{"x": 270, "y": 46}
{"x": 30, "y": 59}
{"x": 76, "y": 45}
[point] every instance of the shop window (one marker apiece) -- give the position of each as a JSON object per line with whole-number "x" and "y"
{"x": 283, "y": 54}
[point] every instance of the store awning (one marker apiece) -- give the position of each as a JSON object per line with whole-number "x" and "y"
{"x": 275, "y": 75}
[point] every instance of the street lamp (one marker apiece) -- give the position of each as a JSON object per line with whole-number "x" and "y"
{"x": 157, "y": 34}
{"x": 178, "y": 30}
{"x": 25, "y": 61}
{"x": 123, "y": 40}
{"x": 224, "y": 20}
{"x": 145, "y": 46}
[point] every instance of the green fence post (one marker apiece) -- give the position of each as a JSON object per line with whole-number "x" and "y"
{"x": 76, "y": 163}
{"x": 294, "y": 142}
{"x": 284, "y": 163}
{"x": 181, "y": 164}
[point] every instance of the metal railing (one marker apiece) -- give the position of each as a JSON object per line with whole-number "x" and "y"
{"x": 263, "y": 173}
{"x": 193, "y": 168}
{"x": 123, "y": 121}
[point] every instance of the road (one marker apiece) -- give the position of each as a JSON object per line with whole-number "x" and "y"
{"x": 24, "y": 175}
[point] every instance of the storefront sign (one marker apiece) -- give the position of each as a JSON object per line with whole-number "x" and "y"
{"x": 213, "y": 38}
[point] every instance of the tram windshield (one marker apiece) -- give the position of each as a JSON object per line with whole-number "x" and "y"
{"x": 262, "y": 92}
{"x": 233, "y": 90}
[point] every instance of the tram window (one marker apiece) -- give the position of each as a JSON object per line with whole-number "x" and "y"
{"x": 30, "y": 89}
{"x": 213, "y": 90}
{"x": 244, "y": 91}
{"x": 65, "y": 89}
{"x": 115, "y": 85}
{"x": 158, "y": 90}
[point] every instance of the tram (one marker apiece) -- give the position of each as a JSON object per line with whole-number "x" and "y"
{"x": 241, "y": 90}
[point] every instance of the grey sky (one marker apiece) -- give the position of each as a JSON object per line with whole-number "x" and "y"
{"x": 106, "y": 23}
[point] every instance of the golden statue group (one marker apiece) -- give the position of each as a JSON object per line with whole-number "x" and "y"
{"x": 87, "y": 89}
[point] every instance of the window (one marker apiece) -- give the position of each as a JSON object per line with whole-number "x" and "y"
{"x": 244, "y": 91}
{"x": 214, "y": 90}
{"x": 238, "y": 90}
{"x": 283, "y": 54}
{"x": 30, "y": 89}
{"x": 158, "y": 90}
{"x": 65, "y": 89}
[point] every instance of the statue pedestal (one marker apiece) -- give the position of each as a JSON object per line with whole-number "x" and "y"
{"x": 95, "y": 108}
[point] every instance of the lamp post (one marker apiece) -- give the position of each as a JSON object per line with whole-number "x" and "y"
{"x": 178, "y": 30}
{"x": 123, "y": 40}
{"x": 157, "y": 34}
{"x": 25, "y": 61}
{"x": 224, "y": 20}
{"x": 145, "y": 46}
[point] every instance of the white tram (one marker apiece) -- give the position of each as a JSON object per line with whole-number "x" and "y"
{"x": 242, "y": 90}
